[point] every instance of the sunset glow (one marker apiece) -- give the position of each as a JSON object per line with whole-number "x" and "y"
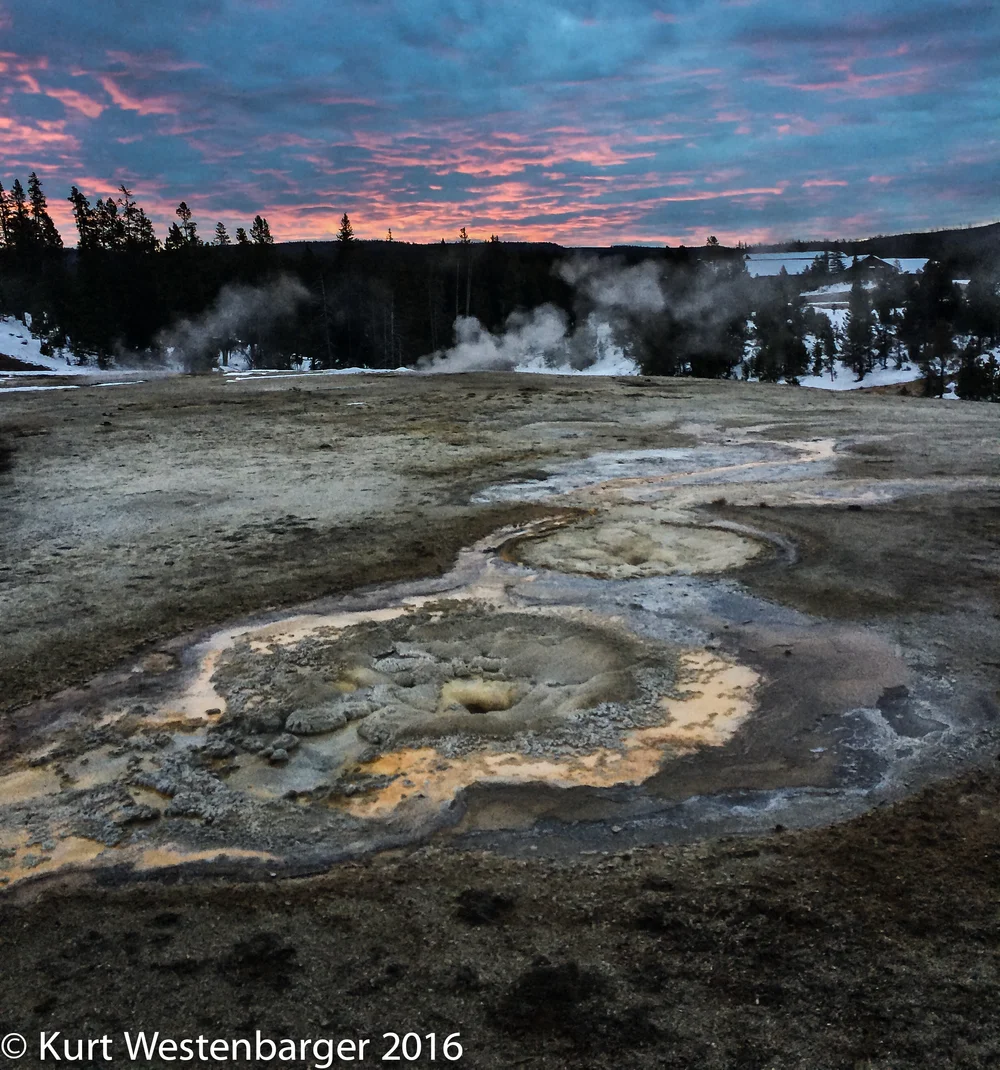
{"x": 584, "y": 124}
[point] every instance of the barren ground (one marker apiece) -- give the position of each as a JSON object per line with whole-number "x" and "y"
{"x": 134, "y": 517}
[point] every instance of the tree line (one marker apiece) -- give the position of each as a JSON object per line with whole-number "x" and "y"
{"x": 386, "y": 303}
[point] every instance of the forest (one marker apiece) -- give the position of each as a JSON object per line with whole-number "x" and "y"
{"x": 123, "y": 296}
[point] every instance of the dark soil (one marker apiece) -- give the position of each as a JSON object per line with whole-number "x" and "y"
{"x": 11, "y": 364}
{"x": 875, "y": 944}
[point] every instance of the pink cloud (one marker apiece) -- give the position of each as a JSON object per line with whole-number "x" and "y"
{"x": 906, "y": 82}
{"x": 12, "y": 63}
{"x": 80, "y": 102}
{"x": 283, "y": 140}
{"x": 711, "y": 195}
{"x": 29, "y": 84}
{"x": 797, "y": 125}
{"x": 726, "y": 175}
{"x": 823, "y": 183}
{"x": 146, "y": 62}
{"x": 42, "y": 146}
{"x": 456, "y": 150}
{"x": 494, "y": 209}
{"x": 336, "y": 100}
{"x": 149, "y": 106}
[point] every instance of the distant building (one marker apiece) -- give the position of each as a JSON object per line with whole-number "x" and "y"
{"x": 874, "y": 267}
{"x": 762, "y": 265}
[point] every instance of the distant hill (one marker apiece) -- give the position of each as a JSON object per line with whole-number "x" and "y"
{"x": 962, "y": 246}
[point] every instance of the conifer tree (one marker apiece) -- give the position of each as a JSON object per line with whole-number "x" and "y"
{"x": 779, "y": 329}
{"x": 819, "y": 270}
{"x": 885, "y": 299}
{"x": 145, "y": 237}
{"x": 824, "y": 347}
{"x": 44, "y": 233}
{"x": 978, "y": 377}
{"x": 137, "y": 228}
{"x": 222, "y": 235}
{"x": 346, "y": 233}
{"x": 83, "y": 214}
{"x": 241, "y": 237}
{"x": 260, "y": 232}
{"x": 20, "y": 221}
{"x": 109, "y": 225}
{"x": 859, "y": 344}
{"x": 4, "y": 216}
{"x": 129, "y": 212}
{"x": 189, "y": 227}
{"x": 175, "y": 238}
{"x": 982, "y": 307}
{"x": 941, "y": 302}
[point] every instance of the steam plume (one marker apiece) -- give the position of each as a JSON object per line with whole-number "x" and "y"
{"x": 237, "y": 316}
{"x": 610, "y": 285}
{"x": 608, "y": 294}
{"x": 625, "y": 316}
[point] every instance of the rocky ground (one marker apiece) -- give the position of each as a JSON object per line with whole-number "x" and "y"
{"x": 137, "y": 515}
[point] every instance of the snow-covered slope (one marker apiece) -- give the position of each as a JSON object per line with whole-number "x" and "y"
{"x": 17, "y": 341}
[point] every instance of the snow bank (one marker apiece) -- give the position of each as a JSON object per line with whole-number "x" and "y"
{"x": 17, "y": 341}
{"x": 837, "y": 316}
{"x": 845, "y": 379}
{"x": 834, "y": 288}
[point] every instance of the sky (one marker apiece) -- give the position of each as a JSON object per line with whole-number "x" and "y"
{"x": 586, "y": 123}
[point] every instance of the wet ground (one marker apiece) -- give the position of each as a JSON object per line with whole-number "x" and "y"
{"x": 580, "y": 619}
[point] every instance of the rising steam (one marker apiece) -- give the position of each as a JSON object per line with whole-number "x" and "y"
{"x": 610, "y": 285}
{"x": 237, "y": 318}
{"x": 608, "y": 294}
{"x": 625, "y": 316}
{"x": 527, "y": 337}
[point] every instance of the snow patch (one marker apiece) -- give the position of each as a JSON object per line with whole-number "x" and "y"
{"x": 269, "y": 373}
{"x": 845, "y": 378}
{"x": 17, "y": 342}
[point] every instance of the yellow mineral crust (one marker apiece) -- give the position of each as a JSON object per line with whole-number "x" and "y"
{"x": 714, "y": 697}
